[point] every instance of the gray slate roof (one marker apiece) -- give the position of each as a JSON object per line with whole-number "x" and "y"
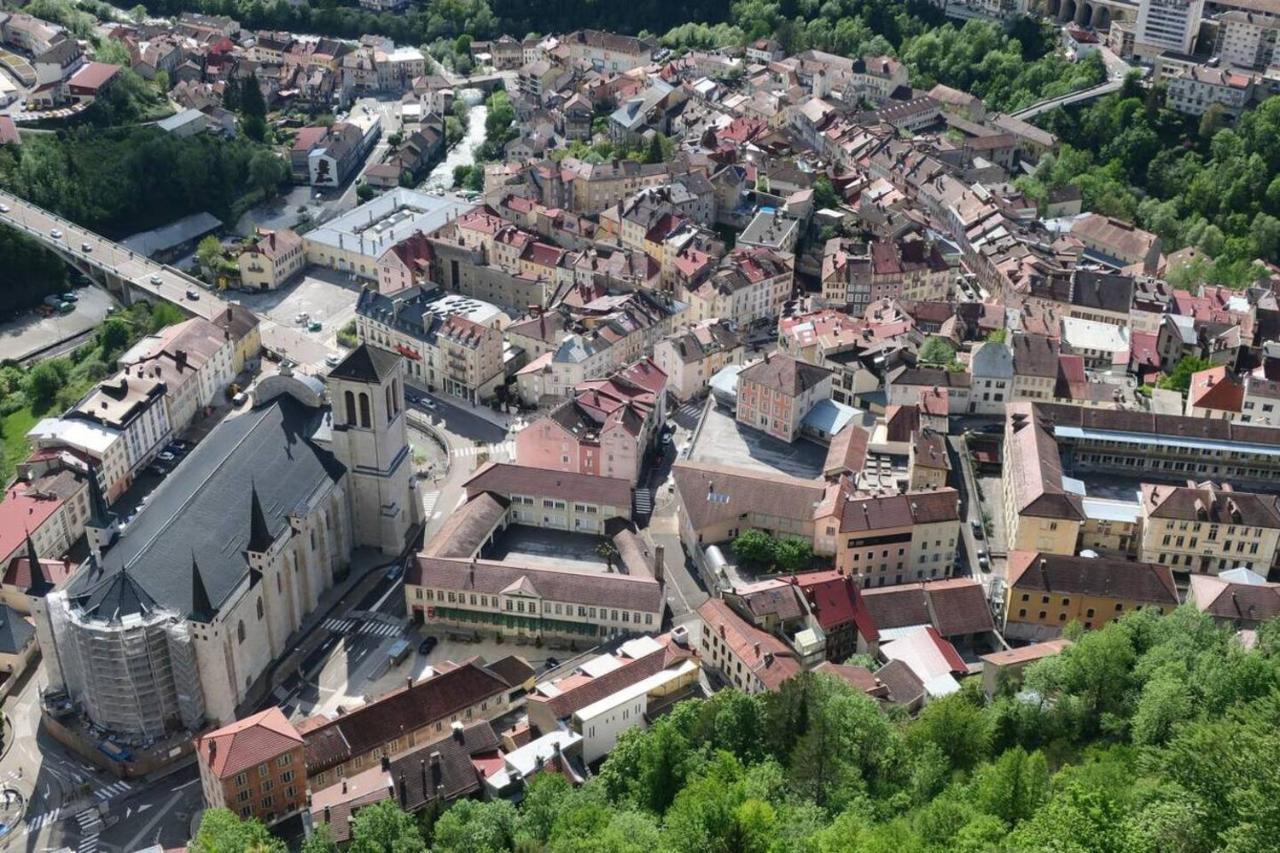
{"x": 203, "y": 508}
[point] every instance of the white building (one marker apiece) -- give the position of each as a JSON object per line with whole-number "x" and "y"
{"x": 1247, "y": 39}
{"x": 1194, "y": 89}
{"x": 1167, "y": 25}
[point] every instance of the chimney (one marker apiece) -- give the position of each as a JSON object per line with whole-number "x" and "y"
{"x": 344, "y": 785}
{"x": 722, "y": 631}
{"x": 659, "y": 563}
{"x": 457, "y": 730}
{"x": 756, "y": 649}
{"x": 386, "y": 762}
{"x": 403, "y": 790}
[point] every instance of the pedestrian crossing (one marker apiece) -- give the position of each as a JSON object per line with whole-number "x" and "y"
{"x": 113, "y": 790}
{"x": 507, "y": 448}
{"x": 351, "y": 626}
{"x": 429, "y": 501}
{"x": 88, "y": 844}
{"x": 690, "y": 410}
{"x": 644, "y": 501}
{"x": 90, "y": 821}
{"x": 40, "y": 821}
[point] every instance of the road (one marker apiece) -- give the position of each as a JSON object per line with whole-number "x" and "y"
{"x": 84, "y": 247}
{"x": 1106, "y": 88}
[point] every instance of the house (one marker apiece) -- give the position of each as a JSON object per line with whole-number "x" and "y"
{"x": 28, "y": 577}
{"x": 956, "y": 610}
{"x": 1215, "y": 393}
{"x": 744, "y": 656}
{"x": 272, "y": 260}
{"x": 1044, "y": 592}
{"x": 194, "y": 361}
{"x": 45, "y": 514}
{"x": 1237, "y": 597}
{"x": 892, "y": 539}
{"x": 256, "y": 767}
{"x": 91, "y": 80}
{"x": 1002, "y": 671}
{"x": 1118, "y": 243}
{"x": 775, "y": 394}
{"x": 691, "y": 357}
{"x": 1207, "y": 529}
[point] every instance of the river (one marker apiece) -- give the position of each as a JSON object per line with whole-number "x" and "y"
{"x": 462, "y": 154}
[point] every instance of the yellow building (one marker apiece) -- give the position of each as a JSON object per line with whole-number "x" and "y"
{"x": 1040, "y": 515}
{"x": 1044, "y": 592}
{"x": 275, "y": 258}
{"x": 1208, "y": 528}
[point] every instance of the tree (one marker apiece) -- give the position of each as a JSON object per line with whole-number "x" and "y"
{"x": 937, "y": 351}
{"x": 266, "y": 172}
{"x": 319, "y": 841}
{"x": 959, "y": 726}
{"x": 824, "y": 194}
{"x": 138, "y": 13}
{"x": 754, "y": 547}
{"x": 114, "y": 335}
{"x": 221, "y": 831}
{"x": 654, "y": 154}
{"x": 253, "y": 109}
{"x": 474, "y": 827}
{"x": 384, "y": 827}
{"x": 44, "y": 381}
{"x": 1213, "y": 120}
{"x": 793, "y": 553}
{"x": 1180, "y": 378}
{"x": 209, "y": 253}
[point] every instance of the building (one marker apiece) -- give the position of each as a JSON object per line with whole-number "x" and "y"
{"x": 1208, "y": 528}
{"x": 44, "y": 513}
{"x": 955, "y": 610}
{"x": 102, "y": 448}
{"x": 256, "y": 767}
{"x": 1040, "y": 514}
{"x": 991, "y": 374}
{"x": 891, "y": 539}
{"x": 195, "y": 361}
{"x": 928, "y": 462}
{"x": 451, "y": 344}
{"x": 1167, "y": 25}
{"x": 1196, "y": 88}
{"x": 606, "y": 429}
{"x": 133, "y": 402}
{"x": 341, "y": 151}
{"x": 1118, "y": 243}
{"x": 775, "y": 394}
{"x": 177, "y": 623}
{"x": 1248, "y": 39}
{"x": 750, "y": 286}
{"x": 1104, "y": 347}
{"x": 1003, "y": 670}
{"x": 91, "y": 80}
{"x": 1045, "y": 592}
{"x": 607, "y": 52}
{"x": 243, "y": 327}
{"x": 744, "y": 656}
{"x": 409, "y": 716}
{"x": 272, "y": 260}
{"x": 1237, "y": 597}
{"x": 691, "y": 357}
{"x": 1215, "y": 393}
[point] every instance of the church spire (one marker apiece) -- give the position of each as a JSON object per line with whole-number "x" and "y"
{"x": 260, "y": 538}
{"x": 201, "y": 607}
{"x": 38, "y": 580}
{"x": 99, "y": 515}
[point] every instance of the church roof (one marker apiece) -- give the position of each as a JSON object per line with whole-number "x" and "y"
{"x": 202, "y": 509}
{"x": 366, "y": 364}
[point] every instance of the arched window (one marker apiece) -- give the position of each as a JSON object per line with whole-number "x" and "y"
{"x": 365, "y": 419}
{"x": 240, "y": 631}
{"x": 351, "y": 408}
{"x": 395, "y": 394}
{"x": 390, "y": 411}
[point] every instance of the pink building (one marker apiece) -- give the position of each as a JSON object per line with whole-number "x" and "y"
{"x": 604, "y": 430}
{"x": 406, "y": 264}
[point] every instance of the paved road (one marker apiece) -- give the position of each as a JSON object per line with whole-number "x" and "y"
{"x": 1098, "y": 91}
{"x": 159, "y": 281}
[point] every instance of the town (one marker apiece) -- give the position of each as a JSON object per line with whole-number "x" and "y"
{"x": 743, "y": 438}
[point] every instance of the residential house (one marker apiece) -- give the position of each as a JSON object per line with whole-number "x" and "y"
{"x": 777, "y": 392}
{"x": 256, "y": 767}
{"x": 272, "y": 260}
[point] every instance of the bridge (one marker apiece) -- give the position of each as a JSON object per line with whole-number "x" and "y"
{"x": 133, "y": 277}
{"x": 1070, "y": 98}
{"x": 128, "y": 274}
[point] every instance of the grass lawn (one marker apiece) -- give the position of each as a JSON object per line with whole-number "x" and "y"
{"x": 14, "y": 428}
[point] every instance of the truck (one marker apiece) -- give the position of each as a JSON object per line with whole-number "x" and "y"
{"x": 398, "y": 652}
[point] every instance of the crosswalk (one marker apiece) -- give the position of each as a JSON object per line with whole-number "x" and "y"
{"x": 40, "y": 821}
{"x": 690, "y": 410}
{"x": 644, "y": 501}
{"x": 113, "y": 790}
{"x": 90, "y": 827}
{"x": 429, "y": 500}
{"x": 505, "y": 448}
{"x": 350, "y": 626}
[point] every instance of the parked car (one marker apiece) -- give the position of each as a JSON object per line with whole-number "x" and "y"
{"x": 984, "y": 562}
{"x": 428, "y": 643}
{"x": 166, "y": 456}
{"x": 66, "y": 307}
{"x": 333, "y": 359}
{"x": 302, "y": 318}
{"x": 314, "y": 326}
{"x": 395, "y": 572}
{"x": 4, "y": 208}
{"x": 551, "y": 663}
{"x": 70, "y": 297}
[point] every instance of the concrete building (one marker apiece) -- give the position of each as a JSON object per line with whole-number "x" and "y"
{"x": 195, "y": 360}
{"x": 177, "y": 623}
{"x": 355, "y": 241}
{"x": 748, "y": 658}
{"x": 256, "y": 767}
{"x": 691, "y": 357}
{"x": 1248, "y": 39}
{"x": 133, "y": 403}
{"x": 893, "y": 539}
{"x": 1167, "y": 25}
{"x": 1196, "y": 88}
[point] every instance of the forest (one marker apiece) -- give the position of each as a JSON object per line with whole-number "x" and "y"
{"x": 1153, "y": 733}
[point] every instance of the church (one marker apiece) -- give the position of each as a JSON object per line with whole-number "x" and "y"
{"x": 175, "y": 619}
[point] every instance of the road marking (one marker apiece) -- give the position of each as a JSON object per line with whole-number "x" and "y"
{"x": 505, "y": 447}
{"x": 112, "y": 790}
{"x": 40, "y": 821}
{"x": 429, "y": 504}
{"x": 133, "y": 842}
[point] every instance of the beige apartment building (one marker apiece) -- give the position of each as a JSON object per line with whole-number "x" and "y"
{"x": 775, "y": 394}
{"x": 892, "y": 539}
{"x": 1209, "y": 528}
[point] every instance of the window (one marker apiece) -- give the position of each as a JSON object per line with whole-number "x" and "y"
{"x": 259, "y": 607}
{"x": 240, "y": 631}
{"x": 365, "y": 418}
{"x": 351, "y": 407}
{"x": 242, "y": 779}
{"x": 284, "y": 761}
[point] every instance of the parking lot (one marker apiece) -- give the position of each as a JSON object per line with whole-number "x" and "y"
{"x": 324, "y": 296}
{"x": 32, "y": 333}
{"x": 724, "y": 441}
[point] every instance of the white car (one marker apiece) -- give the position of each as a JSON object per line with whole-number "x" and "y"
{"x": 4, "y": 208}
{"x": 155, "y": 279}
{"x": 55, "y": 234}
{"x": 333, "y": 359}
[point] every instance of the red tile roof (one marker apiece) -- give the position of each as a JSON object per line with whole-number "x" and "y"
{"x": 768, "y": 658}
{"x": 248, "y": 742}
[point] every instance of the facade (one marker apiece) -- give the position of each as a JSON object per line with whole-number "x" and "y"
{"x": 775, "y": 393}
{"x": 1167, "y": 25}
{"x": 195, "y": 361}
{"x": 410, "y": 716}
{"x": 133, "y": 403}
{"x": 1248, "y": 39}
{"x": 176, "y": 624}
{"x": 750, "y": 285}
{"x": 746, "y": 657}
{"x": 691, "y": 357}
{"x": 1237, "y": 597}
{"x": 1208, "y": 529}
{"x": 271, "y": 261}
{"x": 450, "y": 343}
{"x": 894, "y": 539}
{"x": 1045, "y": 592}
{"x": 256, "y": 767}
